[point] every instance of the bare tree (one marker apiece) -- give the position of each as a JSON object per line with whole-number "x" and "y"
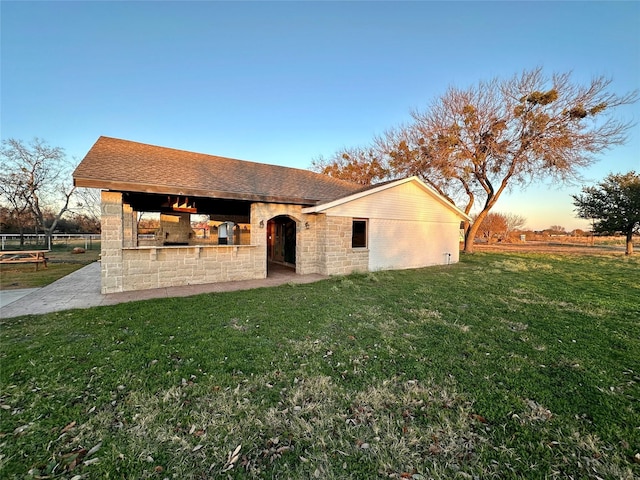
{"x": 38, "y": 175}
{"x": 15, "y": 195}
{"x": 514, "y": 222}
{"x": 87, "y": 204}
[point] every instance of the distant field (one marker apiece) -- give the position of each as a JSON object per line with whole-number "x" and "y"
{"x": 552, "y": 247}
{"x": 506, "y": 365}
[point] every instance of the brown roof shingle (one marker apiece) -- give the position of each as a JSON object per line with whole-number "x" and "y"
{"x": 124, "y": 165}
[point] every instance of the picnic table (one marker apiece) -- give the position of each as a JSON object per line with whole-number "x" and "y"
{"x": 24, "y": 256}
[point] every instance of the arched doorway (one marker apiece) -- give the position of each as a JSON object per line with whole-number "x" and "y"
{"x": 281, "y": 242}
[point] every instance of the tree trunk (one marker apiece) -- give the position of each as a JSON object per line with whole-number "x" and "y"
{"x": 473, "y": 229}
{"x": 48, "y": 234}
{"x": 629, "y": 249}
{"x": 471, "y": 234}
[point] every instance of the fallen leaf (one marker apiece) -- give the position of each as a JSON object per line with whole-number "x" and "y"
{"x": 94, "y": 449}
{"x": 479, "y": 418}
{"x": 234, "y": 456}
{"x": 20, "y": 430}
{"x": 69, "y": 427}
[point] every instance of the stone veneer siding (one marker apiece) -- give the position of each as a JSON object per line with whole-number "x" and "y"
{"x": 174, "y": 227}
{"x": 157, "y": 267}
{"x": 324, "y": 246}
{"x": 306, "y": 244}
{"x": 336, "y": 256}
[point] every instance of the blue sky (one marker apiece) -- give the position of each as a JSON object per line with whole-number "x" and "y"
{"x": 286, "y": 82}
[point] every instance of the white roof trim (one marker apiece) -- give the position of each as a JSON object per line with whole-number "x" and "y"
{"x": 350, "y": 198}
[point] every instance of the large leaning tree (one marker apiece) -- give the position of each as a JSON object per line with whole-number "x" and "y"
{"x": 34, "y": 178}
{"x": 613, "y": 205}
{"x": 472, "y": 144}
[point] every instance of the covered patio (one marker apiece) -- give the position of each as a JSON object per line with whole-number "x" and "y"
{"x": 249, "y": 216}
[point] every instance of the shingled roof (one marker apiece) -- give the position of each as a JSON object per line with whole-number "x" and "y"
{"x": 123, "y": 165}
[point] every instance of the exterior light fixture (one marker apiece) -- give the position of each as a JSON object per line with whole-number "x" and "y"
{"x": 306, "y": 225}
{"x": 261, "y": 223}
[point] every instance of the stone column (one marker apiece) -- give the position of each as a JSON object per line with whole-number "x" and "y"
{"x": 129, "y": 226}
{"x": 259, "y": 237}
{"x": 112, "y": 241}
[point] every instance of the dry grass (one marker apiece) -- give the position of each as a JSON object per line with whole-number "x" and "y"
{"x": 392, "y": 426}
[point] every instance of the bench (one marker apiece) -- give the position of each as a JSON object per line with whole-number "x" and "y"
{"x": 24, "y": 256}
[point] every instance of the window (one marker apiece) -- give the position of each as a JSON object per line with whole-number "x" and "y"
{"x": 359, "y": 234}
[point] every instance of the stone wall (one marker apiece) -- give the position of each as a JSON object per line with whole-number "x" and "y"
{"x": 174, "y": 227}
{"x": 306, "y": 241}
{"x": 129, "y": 226}
{"x": 336, "y": 256}
{"x": 158, "y": 267}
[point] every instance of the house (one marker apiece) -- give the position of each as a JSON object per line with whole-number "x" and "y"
{"x": 248, "y": 216}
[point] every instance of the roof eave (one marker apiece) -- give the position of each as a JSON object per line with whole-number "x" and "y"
{"x": 169, "y": 190}
{"x": 349, "y": 198}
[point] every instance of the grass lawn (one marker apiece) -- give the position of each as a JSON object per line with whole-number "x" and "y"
{"x": 61, "y": 263}
{"x": 506, "y": 365}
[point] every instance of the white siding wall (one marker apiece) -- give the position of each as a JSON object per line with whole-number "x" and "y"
{"x": 404, "y": 202}
{"x": 408, "y": 228}
{"x": 397, "y": 244}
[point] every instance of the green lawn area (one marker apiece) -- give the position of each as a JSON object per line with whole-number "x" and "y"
{"x": 502, "y": 366}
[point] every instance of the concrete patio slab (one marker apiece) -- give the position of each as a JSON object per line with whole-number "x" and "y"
{"x": 10, "y": 296}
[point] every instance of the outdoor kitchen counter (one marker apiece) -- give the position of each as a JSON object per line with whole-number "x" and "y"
{"x": 195, "y": 251}
{"x": 162, "y": 247}
{"x": 148, "y": 267}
